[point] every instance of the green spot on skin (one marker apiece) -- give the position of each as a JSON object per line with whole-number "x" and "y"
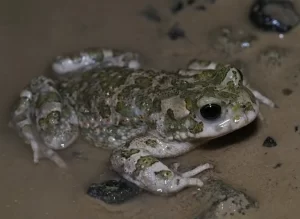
{"x": 197, "y": 128}
{"x": 43, "y": 123}
{"x": 86, "y": 75}
{"x": 53, "y": 117}
{"x": 146, "y": 161}
{"x": 164, "y": 174}
{"x": 128, "y": 153}
{"x": 221, "y": 75}
{"x": 236, "y": 108}
{"x": 188, "y": 104}
{"x": 206, "y": 75}
{"x": 144, "y": 82}
{"x": 46, "y": 98}
{"x": 143, "y": 103}
{"x": 151, "y": 142}
{"x": 214, "y": 77}
{"x": 209, "y": 92}
{"x": 227, "y": 95}
{"x": 236, "y": 117}
{"x": 248, "y": 107}
{"x": 231, "y": 86}
{"x": 123, "y": 109}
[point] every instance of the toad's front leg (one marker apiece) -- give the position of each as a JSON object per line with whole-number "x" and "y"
{"x": 44, "y": 121}
{"x": 139, "y": 164}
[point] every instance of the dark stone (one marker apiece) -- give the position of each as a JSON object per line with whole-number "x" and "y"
{"x": 176, "y": 32}
{"x": 151, "y": 14}
{"x": 287, "y": 91}
{"x": 296, "y": 128}
{"x": 113, "y": 191}
{"x": 275, "y": 15}
{"x": 270, "y": 142}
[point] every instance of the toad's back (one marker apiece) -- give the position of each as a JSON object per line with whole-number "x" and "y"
{"x": 115, "y": 104}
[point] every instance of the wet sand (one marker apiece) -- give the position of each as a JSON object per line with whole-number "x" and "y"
{"x": 32, "y": 33}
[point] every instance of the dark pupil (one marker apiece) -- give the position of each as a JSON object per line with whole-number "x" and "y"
{"x": 210, "y": 111}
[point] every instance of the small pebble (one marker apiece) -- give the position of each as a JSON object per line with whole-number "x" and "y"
{"x": 113, "y": 191}
{"x": 279, "y": 16}
{"x": 277, "y": 165}
{"x": 287, "y": 91}
{"x": 269, "y": 142}
{"x": 296, "y": 128}
{"x": 176, "y": 32}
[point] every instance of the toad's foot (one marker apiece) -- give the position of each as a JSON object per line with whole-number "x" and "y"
{"x": 196, "y": 65}
{"x": 44, "y": 121}
{"x": 140, "y": 167}
{"x": 261, "y": 98}
{"x": 22, "y": 122}
{"x": 192, "y": 172}
{"x": 91, "y": 58}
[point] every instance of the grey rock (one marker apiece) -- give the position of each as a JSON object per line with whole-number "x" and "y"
{"x": 220, "y": 201}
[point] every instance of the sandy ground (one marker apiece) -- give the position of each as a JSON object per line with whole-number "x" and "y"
{"x": 33, "y": 32}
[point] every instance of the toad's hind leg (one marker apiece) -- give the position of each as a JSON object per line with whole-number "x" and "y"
{"x": 43, "y": 120}
{"x": 139, "y": 164}
{"x": 90, "y": 58}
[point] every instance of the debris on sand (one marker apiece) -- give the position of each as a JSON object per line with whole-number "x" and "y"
{"x": 277, "y": 165}
{"x": 176, "y": 32}
{"x": 270, "y": 142}
{"x": 287, "y": 91}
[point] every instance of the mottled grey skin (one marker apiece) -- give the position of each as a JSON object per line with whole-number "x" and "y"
{"x": 142, "y": 115}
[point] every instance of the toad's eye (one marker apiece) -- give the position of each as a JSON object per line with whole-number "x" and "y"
{"x": 211, "y": 111}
